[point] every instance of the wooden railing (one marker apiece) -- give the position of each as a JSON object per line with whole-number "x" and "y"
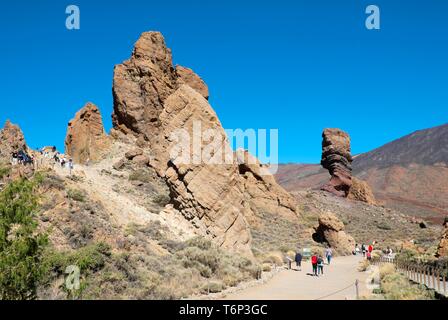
{"x": 431, "y": 277}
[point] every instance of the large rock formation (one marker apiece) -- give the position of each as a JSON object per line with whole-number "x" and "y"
{"x": 11, "y": 140}
{"x": 337, "y": 159}
{"x": 331, "y": 231}
{"x": 361, "y": 191}
{"x": 86, "y": 140}
{"x": 442, "y": 250}
{"x": 167, "y": 108}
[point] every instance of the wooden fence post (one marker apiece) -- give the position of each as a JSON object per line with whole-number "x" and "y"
{"x": 444, "y": 284}
{"x": 433, "y": 278}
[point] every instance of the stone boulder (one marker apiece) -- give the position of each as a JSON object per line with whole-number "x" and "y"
{"x": 442, "y": 249}
{"x": 361, "y": 191}
{"x": 331, "y": 231}
{"x": 86, "y": 139}
{"x": 11, "y": 140}
{"x": 337, "y": 159}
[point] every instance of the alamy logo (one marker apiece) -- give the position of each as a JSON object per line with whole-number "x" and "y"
{"x": 373, "y": 20}
{"x": 73, "y": 21}
{"x": 213, "y": 146}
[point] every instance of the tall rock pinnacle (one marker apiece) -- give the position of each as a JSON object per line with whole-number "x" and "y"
{"x": 152, "y": 100}
{"x": 337, "y": 159}
{"x": 86, "y": 139}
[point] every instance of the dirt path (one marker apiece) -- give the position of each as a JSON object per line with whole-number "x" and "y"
{"x": 300, "y": 285}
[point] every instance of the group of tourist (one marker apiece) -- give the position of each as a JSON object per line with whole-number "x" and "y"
{"x": 57, "y": 158}
{"x": 21, "y": 157}
{"x": 365, "y": 250}
{"x": 317, "y": 261}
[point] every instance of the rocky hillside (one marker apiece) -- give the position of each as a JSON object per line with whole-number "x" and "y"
{"x": 409, "y": 174}
{"x": 424, "y": 147}
{"x": 139, "y": 215}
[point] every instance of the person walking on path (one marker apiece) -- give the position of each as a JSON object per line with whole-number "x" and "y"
{"x": 314, "y": 264}
{"x": 370, "y": 249}
{"x": 320, "y": 265}
{"x": 328, "y": 255}
{"x": 363, "y": 249}
{"x": 298, "y": 260}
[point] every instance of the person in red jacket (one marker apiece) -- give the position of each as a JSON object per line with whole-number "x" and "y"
{"x": 314, "y": 264}
{"x": 370, "y": 248}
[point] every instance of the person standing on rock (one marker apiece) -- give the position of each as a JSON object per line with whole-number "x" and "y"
{"x": 298, "y": 259}
{"x": 328, "y": 255}
{"x": 314, "y": 264}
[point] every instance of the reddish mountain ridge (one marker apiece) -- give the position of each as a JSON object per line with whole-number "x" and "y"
{"x": 409, "y": 174}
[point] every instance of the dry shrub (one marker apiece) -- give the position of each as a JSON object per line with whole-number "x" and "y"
{"x": 291, "y": 254}
{"x": 376, "y": 254}
{"x": 386, "y": 269}
{"x": 363, "y": 265}
{"x": 396, "y": 286}
{"x": 273, "y": 257}
{"x": 266, "y": 267}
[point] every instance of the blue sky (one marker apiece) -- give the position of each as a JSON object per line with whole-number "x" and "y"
{"x": 296, "y": 66}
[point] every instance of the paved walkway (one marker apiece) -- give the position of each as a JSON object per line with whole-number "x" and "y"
{"x": 337, "y": 283}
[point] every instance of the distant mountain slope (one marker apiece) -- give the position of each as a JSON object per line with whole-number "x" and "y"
{"x": 425, "y": 147}
{"x": 409, "y": 174}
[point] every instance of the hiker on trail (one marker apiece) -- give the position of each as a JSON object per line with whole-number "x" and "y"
{"x": 14, "y": 156}
{"x": 357, "y": 250}
{"x": 62, "y": 162}
{"x": 314, "y": 264}
{"x": 370, "y": 248}
{"x": 70, "y": 165}
{"x": 328, "y": 255}
{"x": 320, "y": 265}
{"x": 363, "y": 249}
{"x": 298, "y": 260}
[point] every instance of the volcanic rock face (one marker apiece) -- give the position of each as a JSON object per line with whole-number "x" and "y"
{"x": 337, "y": 159}
{"x": 442, "y": 250}
{"x": 11, "y": 140}
{"x": 361, "y": 191}
{"x": 261, "y": 190}
{"x": 162, "y": 106}
{"x": 86, "y": 139}
{"x": 331, "y": 231}
{"x": 187, "y": 76}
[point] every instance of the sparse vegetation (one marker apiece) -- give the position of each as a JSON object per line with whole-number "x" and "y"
{"x": 140, "y": 175}
{"x": 396, "y": 286}
{"x": 76, "y": 195}
{"x": 363, "y": 265}
{"x": 21, "y": 245}
{"x": 4, "y": 170}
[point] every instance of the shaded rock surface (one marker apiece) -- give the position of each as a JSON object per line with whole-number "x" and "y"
{"x": 331, "y": 230}
{"x": 337, "y": 159}
{"x": 86, "y": 140}
{"x": 153, "y": 101}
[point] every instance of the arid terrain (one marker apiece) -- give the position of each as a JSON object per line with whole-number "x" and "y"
{"x": 138, "y": 220}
